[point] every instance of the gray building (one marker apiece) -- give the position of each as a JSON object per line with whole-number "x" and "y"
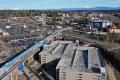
{"x": 53, "y": 52}
{"x": 100, "y": 23}
{"x": 75, "y": 62}
{"x": 81, "y": 63}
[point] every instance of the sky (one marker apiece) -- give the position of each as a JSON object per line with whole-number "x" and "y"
{"x": 56, "y": 4}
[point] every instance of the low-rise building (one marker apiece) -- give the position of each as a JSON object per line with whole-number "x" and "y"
{"x": 114, "y": 30}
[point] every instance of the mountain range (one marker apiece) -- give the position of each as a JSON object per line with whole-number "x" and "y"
{"x": 94, "y": 8}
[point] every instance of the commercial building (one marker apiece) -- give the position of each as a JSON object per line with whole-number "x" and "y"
{"x": 100, "y": 23}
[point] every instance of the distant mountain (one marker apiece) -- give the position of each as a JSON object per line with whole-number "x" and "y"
{"x": 95, "y": 8}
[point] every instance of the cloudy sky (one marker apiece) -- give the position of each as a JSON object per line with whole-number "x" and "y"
{"x": 56, "y": 4}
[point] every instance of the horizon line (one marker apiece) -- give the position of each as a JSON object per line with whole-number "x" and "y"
{"x": 62, "y": 8}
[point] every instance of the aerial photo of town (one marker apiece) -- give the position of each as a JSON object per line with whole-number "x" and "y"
{"x": 59, "y": 39}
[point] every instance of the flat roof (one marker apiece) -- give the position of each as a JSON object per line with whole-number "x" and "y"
{"x": 61, "y": 48}
{"x": 51, "y": 48}
{"x": 57, "y": 48}
{"x": 78, "y": 61}
{"x": 93, "y": 58}
{"x": 84, "y": 59}
{"x": 67, "y": 58}
{"x": 81, "y": 58}
{"x": 100, "y": 20}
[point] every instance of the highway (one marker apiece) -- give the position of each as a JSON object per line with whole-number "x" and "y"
{"x": 10, "y": 65}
